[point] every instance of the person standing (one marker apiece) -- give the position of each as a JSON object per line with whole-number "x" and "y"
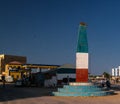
{"x": 102, "y": 83}
{"x": 3, "y": 80}
{"x": 68, "y": 80}
{"x": 108, "y": 84}
{"x": 54, "y": 81}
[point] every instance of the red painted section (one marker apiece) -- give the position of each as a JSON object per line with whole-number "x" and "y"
{"x": 81, "y": 75}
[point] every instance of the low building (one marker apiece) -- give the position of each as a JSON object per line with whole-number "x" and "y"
{"x": 63, "y": 73}
{"x": 16, "y": 66}
{"x": 10, "y": 59}
{"x": 17, "y": 70}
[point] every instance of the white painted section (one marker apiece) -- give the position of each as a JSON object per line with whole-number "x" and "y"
{"x": 44, "y": 70}
{"x": 33, "y": 70}
{"x": 82, "y": 60}
{"x": 61, "y": 76}
{"x": 116, "y": 71}
{"x": 113, "y": 72}
{"x": 119, "y": 72}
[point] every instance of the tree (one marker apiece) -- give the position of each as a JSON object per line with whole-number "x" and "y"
{"x": 106, "y": 75}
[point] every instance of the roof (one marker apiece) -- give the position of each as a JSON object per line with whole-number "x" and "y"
{"x": 42, "y": 65}
{"x": 12, "y": 55}
{"x": 15, "y": 62}
{"x": 64, "y": 69}
{"x": 69, "y": 66}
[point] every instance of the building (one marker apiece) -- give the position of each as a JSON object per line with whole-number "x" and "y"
{"x": 66, "y": 70}
{"x": 62, "y": 73}
{"x": 17, "y": 71}
{"x": 116, "y": 72}
{"x": 10, "y": 59}
{"x": 16, "y": 66}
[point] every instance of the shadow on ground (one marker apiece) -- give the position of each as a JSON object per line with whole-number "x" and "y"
{"x": 10, "y": 92}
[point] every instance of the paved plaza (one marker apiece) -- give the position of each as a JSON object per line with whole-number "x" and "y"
{"x": 34, "y": 95}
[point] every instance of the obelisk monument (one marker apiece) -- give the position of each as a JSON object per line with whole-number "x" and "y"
{"x": 82, "y": 55}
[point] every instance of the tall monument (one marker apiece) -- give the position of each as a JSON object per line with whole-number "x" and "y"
{"x": 82, "y": 87}
{"x": 82, "y": 55}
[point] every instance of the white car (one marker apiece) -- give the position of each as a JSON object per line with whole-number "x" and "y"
{"x": 9, "y": 79}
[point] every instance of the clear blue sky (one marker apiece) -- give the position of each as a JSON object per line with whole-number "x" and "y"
{"x": 46, "y": 31}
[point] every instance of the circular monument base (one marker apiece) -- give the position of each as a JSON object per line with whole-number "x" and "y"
{"x": 81, "y": 89}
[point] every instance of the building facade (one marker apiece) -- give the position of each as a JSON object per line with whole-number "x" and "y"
{"x": 116, "y": 72}
{"x": 10, "y": 59}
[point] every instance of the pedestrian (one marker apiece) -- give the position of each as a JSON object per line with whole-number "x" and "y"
{"x": 3, "y": 80}
{"x": 102, "y": 83}
{"x": 108, "y": 84}
{"x": 54, "y": 81}
{"x": 68, "y": 80}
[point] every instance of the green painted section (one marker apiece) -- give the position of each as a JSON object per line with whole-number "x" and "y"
{"x": 66, "y": 71}
{"x": 82, "y": 45}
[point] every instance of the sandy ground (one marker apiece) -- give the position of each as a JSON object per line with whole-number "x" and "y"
{"x": 41, "y": 96}
{"x": 114, "y": 99}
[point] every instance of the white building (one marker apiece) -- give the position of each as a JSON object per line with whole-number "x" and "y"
{"x": 116, "y": 72}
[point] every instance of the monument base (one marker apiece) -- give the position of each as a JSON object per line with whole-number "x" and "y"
{"x": 82, "y": 89}
{"x": 80, "y": 84}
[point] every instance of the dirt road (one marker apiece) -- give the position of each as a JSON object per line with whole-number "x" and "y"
{"x": 33, "y": 95}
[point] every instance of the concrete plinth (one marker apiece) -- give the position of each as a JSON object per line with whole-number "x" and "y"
{"x": 80, "y": 84}
{"x": 81, "y": 89}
